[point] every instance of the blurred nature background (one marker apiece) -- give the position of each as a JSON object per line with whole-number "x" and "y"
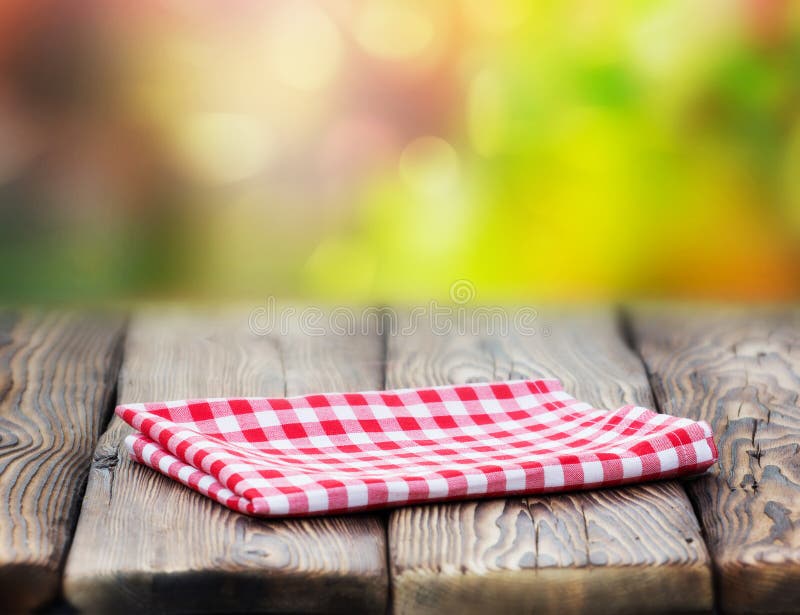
{"x": 378, "y": 150}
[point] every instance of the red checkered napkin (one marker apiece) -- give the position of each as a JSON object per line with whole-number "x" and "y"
{"x": 340, "y": 452}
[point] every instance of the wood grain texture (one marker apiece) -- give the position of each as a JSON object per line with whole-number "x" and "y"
{"x": 740, "y": 371}
{"x": 57, "y": 377}
{"x": 147, "y": 544}
{"x": 634, "y": 549}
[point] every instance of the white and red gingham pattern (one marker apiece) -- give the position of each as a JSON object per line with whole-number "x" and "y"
{"x": 343, "y": 452}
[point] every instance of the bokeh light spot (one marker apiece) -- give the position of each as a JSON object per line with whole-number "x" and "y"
{"x": 342, "y": 269}
{"x": 485, "y": 113}
{"x": 394, "y": 30}
{"x": 220, "y": 148}
{"x": 497, "y": 17}
{"x": 429, "y": 164}
{"x": 304, "y": 46}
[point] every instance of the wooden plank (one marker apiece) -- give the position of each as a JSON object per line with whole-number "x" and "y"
{"x": 57, "y": 378}
{"x": 635, "y": 549}
{"x": 740, "y": 371}
{"x": 145, "y": 543}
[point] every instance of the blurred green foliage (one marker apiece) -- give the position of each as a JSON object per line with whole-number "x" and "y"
{"x": 380, "y": 150}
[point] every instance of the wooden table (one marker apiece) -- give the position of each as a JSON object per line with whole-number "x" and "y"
{"x": 135, "y": 541}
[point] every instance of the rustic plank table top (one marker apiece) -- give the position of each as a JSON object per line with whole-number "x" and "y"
{"x": 83, "y": 528}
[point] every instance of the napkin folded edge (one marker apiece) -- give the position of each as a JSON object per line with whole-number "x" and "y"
{"x": 146, "y": 451}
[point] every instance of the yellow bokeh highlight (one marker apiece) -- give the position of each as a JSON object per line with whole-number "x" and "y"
{"x": 303, "y": 45}
{"x": 486, "y": 113}
{"x": 394, "y": 29}
{"x": 497, "y": 17}
{"x": 221, "y": 148}
{"x": 430, "y": 165}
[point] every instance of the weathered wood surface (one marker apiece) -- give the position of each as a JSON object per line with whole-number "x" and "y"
{"x": 740, "y": 372}
{"x": 634, "y": 549}
{"x": 147, "y": 544}
{"x": 57, "y": 377}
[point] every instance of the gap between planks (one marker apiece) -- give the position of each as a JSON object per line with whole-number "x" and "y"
{"x": 57, "y": 375}
{"x": 739, "y": 370}
{"x": 635, "y": 549}
{"x": 144, "y": 542}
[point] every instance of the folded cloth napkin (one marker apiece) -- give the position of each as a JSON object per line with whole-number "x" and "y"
{"x": 331, "y": 453}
